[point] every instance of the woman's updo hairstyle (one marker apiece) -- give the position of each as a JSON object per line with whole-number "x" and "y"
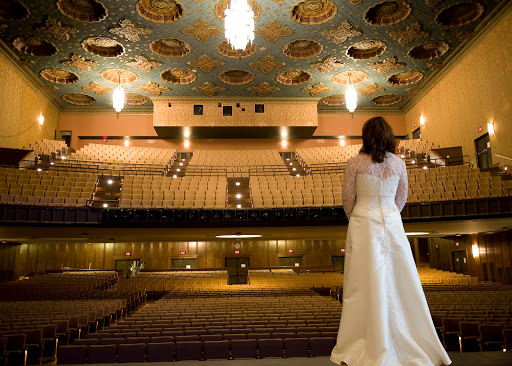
{"x": 378, "y": 139}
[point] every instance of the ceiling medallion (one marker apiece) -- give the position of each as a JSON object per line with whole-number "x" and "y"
{"x": 56, "y": 29}
{"x": 142, "y": 63}
{"x": 429, "y": 50}
{"x": 314, "y": 11}
{"x": 82, "y": 10}
{"x": 11, "y": 11}
{"x": 405, "y": 78}
{"x": 206, "y": 63}
{"x": 370, "y": 89}
{"x": 33, "y": 46}
{"x": 136, "y": 99}
{"x": 160, "y": 11}
{"x": 293, "y": 77}
{"x": 263, "y": 89}
{"x": 170, "y": 47}
{"x": 349, "y": 77}
{"x": 236, "y": 77}
{"x": 459, "y": 14}
{"x": 225, "y": 49}
{"x": 208, "y": 88}
{"x": 273, "y": 31}
{"x": 334, "y": 100}
{"x": 78, "y": 99}
{"x": 97, "y": 88}
{"x": 179, "y": 76}
{"x": 59, "y": 76}
{"x": 366, "y": 49}
{"x": 327, "y": 65}
{"x": 316, "y": 89}
{"x": 340, "y": 34}
{"x": 223, "y": 4}
{"x": 129, "y": 30}
{"x": 388, "y": 64}
{"x": 102, "y": 46}
{"x": 267, "y": 63}
{"x": 119, "y": 76}
{"x": 302, "y": 48}
{"x": 388, "y": 13}
{"x": 154, "y": 88}
{"x": 201, "y": 30}
{"x": 409, "y": 33}
{"x": 432, "y": 3}
{"x": 80, "y": 63}
{"x": 387, "y": 99}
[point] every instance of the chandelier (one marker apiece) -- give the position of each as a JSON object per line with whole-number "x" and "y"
{"x": 239, "y": 24}
{"x": 351, "y": 97}
{"x": 118, "y": 98}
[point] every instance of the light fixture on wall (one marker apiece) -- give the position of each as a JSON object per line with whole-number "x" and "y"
{"x": 127, "y": 142}
{"x": 40, "y": 119}
{"x": 186, "y": 143}
{"x": 342, "y": 141}
{"x": 475, "y": 250}
{"x": 239, "y": 24}
{"x": 284, "y": 143}
{"x": 351, "y": 97}
{"x": 118, "y": 97}
{"x": 490, "y": 127}
{"x": 422, "y": 120}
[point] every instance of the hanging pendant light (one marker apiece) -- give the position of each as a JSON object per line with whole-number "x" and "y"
{"x": 239, "y": 24}
{"x": 351, "y": 97}
{"x": 118, "y": 98}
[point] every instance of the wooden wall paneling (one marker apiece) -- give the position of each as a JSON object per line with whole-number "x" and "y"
{"x": 22, "y": 260}
{"x": 109, "y": 262}
{"x": 220, "y": 250}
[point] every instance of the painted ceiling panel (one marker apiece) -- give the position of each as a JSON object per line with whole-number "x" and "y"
{"x": 390, "y": 51}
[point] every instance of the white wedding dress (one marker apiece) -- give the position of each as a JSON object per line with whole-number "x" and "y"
{"x": 385, "y": 319}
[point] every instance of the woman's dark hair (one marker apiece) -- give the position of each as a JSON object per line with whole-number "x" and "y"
{"x": 378, "y": 138}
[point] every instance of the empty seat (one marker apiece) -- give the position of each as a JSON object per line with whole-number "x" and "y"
{"x": 321, "y": 346}
{"x": 270, "y": 347}
{"x": 135, "y": 352}
{"x": 244, "y": 348}
{"x": 101, "y": 353}
{"x": 160, "y": 352}
{"x": 188, "y": 350}
{"x": 216, "y": 349}
{"x": 70, "y": 355}
{"x": 296, "y": 347}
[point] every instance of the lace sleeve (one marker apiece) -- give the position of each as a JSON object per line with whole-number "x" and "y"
{"x": 401, "y": 191}
{"x": 349, "y": 188}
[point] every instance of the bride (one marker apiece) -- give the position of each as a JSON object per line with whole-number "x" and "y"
{"x": 385, "y": 319}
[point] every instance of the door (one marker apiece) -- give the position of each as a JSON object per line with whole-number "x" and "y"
{"x": 460, "y": 262}
{"x": 291, "y": 261}
{"x": 183, "y": 263}
{"x": 483, "y": 151}
{"x": 237, "y": 270}
{"x": 416, "y": 134}
{"x": 338, "y": 263}
{"x": 127, "y": 266}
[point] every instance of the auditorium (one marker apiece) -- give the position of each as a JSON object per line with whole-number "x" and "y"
{"x": 174, "y": 178}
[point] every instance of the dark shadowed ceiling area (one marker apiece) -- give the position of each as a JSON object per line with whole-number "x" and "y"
{"x": 78, "y": 49}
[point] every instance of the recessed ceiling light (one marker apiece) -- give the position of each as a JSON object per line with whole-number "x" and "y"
{"x": 110, "y": 181}
{"x": 237, "y": 183}
{"x": 238, "y": 235}
{"x": 238, "y": 195}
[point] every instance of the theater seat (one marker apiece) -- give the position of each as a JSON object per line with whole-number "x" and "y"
{"x": 216, "y": 350}
{"x": 160, "y": 352}
{"x": 101, "y": 353}
{"x": 296, "y": 347}
{"x": 135, "y": 352}
{"x": 188, "y": 350}
{"x": 321, "y": 346}
{"x": 71, "y": 355}
{"x": 244, "y": 348}
{"x": 270, "y": 347}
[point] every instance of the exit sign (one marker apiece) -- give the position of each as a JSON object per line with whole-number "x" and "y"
{"x": 237, "y": 252}
{"x": 342, "y": 250}
{"x": 183, "y": 252}
{"x": 128, "y": 254}
{"x": 480, "y": 129}
{"x": 290, "y": 250}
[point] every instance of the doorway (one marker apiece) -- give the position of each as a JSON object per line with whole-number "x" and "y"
{"x": 483, "y": 151}
{"x": 416, "y": 134}
{"x": 183, "y": 263}
{"x": 338, "y": 263}
{"x": 297, "y": 261}
{"x": 126, "y": 267}
{"x": 238, "y": 268}
{"x": 460, "y": 261}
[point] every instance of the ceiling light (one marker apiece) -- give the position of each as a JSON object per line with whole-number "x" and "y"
{"x": 105, "y": 205}
{"x": 181, "y": 164}
{"x": 238, "y": 195}
{"x": 239, "y": 24}
{"x": 238, "y": 206}
{"x": 238, "y": 236}
{"x": 417, "y": 233}
{"x": 291, "y": 163}
{"x": 174, "y": 176}
{"x": 425, "y": 167}
{"x": 110, "y": 181}
{"x": 298, "y": 175}
{"x": 38, "y": 169}
{"x": 51, "y": 163}
{"x": 237, "y": 183}
{"x": 118, "y": 96}
{"x": 178, "y": 170}
{"x": 294, "y": 169}
{"x": 351, "y": 97}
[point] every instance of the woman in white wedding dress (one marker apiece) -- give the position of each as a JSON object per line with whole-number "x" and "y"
{"x": 385, "y": 319}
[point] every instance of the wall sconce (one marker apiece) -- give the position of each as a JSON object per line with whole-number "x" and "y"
{"x": 284, "y": 143}
{"x": 186, "y": 143}
{"x": 422, "y": 120}
{"x": 476, "y": 250}
{"x": 126, "y": 142}
{"x": 490, "y": 127}
{"x": 342, "y": 141}
{"x": 41, "y": 119}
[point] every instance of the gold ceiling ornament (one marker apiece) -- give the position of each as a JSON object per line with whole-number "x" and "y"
{"x": 413, "y": 91}
{"x": 459, "y": 14}
{"x": 316, "y": 89}
{"x": 432, "y": 3}
{"x": 119, "y": 76}
{"x": 59, "y": 76}
{"x": 97, "y": 88}
{"x": 80, "y": 63}
{"x": 263, "y": 89}
{"x": 267, "y": 63}
{"x": 136, "y": 99}
{"x": 435, "y": 66}
{"x": 33, "y": 46}
{"x": 388, "y": 13}
{"x": 223, "y": 5}
{"x": 225, "y": 49}
{"x": 28, "y": 63}
{"x": 302, "y": 48}
{"x": 103, "y": 46}
{"x": 206, "y": 63}
{"x": 334, "y": 100}
{"x": 160, "y": 11}
{"x": 201, "y": 30}
{"x": 327, "y": 65}
{"x": 179, "y": 76}
{"x": 170, "y": 47}
{"x": 273, "y": 30}
{"x": 82, "y": 10}
{"x": 342, "y": 32}
{"x": 208, "y": 88}
{"x": 314, "y": 11}
{"x": 154, "y": 88}
{"x": 293, "y": 77}
{"x": 356, "y": 2}
{"x": 405, "y": 77}
{"x": 129, "y": 30}
{"x": 142, "y": 63}
{"x": 429, "y": 50}
{"x": 236, "y": 77}
{"x": 55, "y": 28}
{"x": 387, "y": 99}
{"x": 370, "y": 89}
{"x": 367, "y": 49}
{"x": 387, "y": 64}
{"x": 278, "y": 1}
{"x": 350, "y": 77}
{"x": 78, "y": 99}
{"x": 11, "y": 11}
{"x": 408, "y": 34}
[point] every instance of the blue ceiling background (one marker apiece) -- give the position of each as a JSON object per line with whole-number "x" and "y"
{"x": 423, "y": 12}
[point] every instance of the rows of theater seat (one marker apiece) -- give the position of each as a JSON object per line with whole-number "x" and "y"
{"x": 167, "y": 192}
{"x": 45, "y": 188}
{"x": 47, "y": 147}
{"x": 436, "y": 276}
{"x": 417, "y": 146}
{"x": 332, "y": 154}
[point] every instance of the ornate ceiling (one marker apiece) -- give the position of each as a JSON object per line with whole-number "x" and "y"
{"x": 390, "y": 50}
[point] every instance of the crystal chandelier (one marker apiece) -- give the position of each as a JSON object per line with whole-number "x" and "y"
{"x": 351, "y": 97}
{"x": 239, "y": 24}
{"x": 118, "y": 99}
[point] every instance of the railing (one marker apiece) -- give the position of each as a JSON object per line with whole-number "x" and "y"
{"x": 503, "y": 157}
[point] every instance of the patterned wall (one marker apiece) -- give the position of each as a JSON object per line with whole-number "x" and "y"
{"x": 474, "y": 91}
